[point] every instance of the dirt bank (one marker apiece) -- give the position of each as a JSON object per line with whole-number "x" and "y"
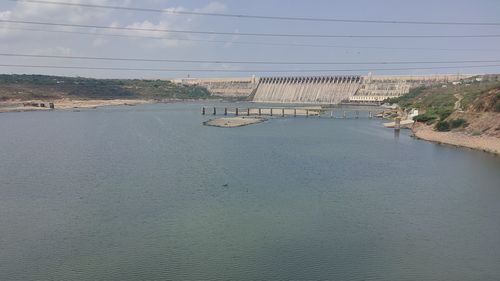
{"x": 483, "y": 142}
{"x": 64, "y": 104}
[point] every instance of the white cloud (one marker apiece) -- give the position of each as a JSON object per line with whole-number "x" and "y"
{"x": 213, "y": 7}
{"x": 72, "y": 14}
{"x": 54, "y": 13}
{"x": 15, "y": 37}
{"x": 58, "y": 51}
{"x": 170, "y": 22}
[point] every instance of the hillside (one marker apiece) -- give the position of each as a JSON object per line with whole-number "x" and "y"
{"x": 471, "y": 107}
{"x": 465, "y": 114}
{"x": 48, "y": 88}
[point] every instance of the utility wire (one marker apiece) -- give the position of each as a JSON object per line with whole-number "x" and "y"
{"x": 244, "y": 62}
{"x": 245, "y": 71}
{"x": 292, "y": 44}
{"x": 246, "y": 16}
{"x": 249, "y": 34}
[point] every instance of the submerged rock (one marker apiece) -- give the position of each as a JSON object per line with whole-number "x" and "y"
{"x": 232, "y": 122}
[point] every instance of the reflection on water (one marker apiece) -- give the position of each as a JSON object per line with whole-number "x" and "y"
{"x": 148, "y": 193}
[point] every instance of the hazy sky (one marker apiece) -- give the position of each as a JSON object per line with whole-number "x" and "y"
{"x": 340, "y": 50}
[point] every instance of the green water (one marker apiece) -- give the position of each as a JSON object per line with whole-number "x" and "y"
{"x": 148, "y": 193}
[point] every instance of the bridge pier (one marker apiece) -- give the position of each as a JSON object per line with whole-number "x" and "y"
{"x": 397, "y": 125}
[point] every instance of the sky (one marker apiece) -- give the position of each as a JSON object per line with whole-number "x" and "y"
{"x": 15, "y": 39}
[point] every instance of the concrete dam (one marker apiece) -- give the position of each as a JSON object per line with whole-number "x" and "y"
{"x": 318, "y": 89}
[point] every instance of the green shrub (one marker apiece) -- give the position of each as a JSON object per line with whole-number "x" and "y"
{"x": 425, "y": 118}
{"x": 443, "y": 126}
{"x": 444, "y": 112}
{"x": 458, "y": 123}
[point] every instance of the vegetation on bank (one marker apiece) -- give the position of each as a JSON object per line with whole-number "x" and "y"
{"x": 450, "y": 106}
{"x": 439, "y": 100}
{"x": 42, "y": 87}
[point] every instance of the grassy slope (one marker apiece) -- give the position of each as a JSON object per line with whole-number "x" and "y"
{"x": 41, "y": 87}
{"x": 479, "y": 106}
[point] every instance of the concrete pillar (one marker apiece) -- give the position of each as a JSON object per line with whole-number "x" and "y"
{"x": 215, "y": 111}
{"x": 282, "y": 112}
{"x": 237, "y": 113}
{"x": 248, "y": 111}
{"x": 271, "y": 112}
{"x": 295, "y": 112}
{"x": 260, "y": 113}
{"x": 397, "y": 125}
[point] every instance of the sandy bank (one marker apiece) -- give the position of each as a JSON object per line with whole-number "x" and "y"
{"x": 232, "y": 122}
{"x": 484, "y": 142}
{"x": 65, "y": 104}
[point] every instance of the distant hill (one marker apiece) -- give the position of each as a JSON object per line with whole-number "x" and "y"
{"x": 42, "y": 87}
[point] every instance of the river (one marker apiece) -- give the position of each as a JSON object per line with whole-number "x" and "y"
{"x": 148, "y": 193}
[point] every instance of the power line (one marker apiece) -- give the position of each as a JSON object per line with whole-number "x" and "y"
{"x": 249, "y": 34}
{"x": 292, "y": 44}
{"x": 245, "y": 71}
{"x": 242, "y": 61}
{"x": 246, "y": 16}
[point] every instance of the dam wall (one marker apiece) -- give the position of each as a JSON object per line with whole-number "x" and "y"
{"x": 319, "y": 89}
{"x": 225, "y": 87}
{"x": 379, "y": 88}
{"x": 315, "y": 90}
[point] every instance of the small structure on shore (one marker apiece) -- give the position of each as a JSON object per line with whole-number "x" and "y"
{"x": 398, "y": 124}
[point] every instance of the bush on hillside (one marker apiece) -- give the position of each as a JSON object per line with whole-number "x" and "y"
{"x": 458, "y": 123}
{"x": 443, "y": 126}
{"x": 444, "y": 112}
{"x": 497, "y": 103}
{"x": 425, "y": 118}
